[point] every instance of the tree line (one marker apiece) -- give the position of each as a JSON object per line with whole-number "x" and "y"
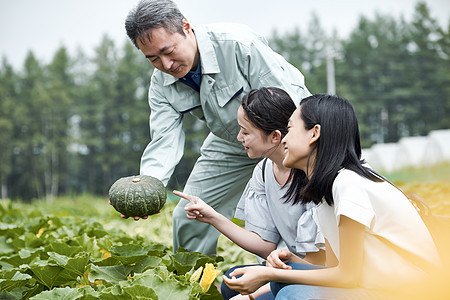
{"x": 78, "y": 123}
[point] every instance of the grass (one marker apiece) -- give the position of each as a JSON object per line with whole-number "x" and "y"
{"x": 435, "y": 173}
{"x": 431, "y": 183}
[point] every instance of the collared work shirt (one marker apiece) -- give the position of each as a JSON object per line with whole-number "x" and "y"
{"x": 193, "y": 78}
{"x": 234, "y": 60}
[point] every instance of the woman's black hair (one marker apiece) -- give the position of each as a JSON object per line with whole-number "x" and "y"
{"x": 269, "y": 109}
{"x": 337, "y": 147}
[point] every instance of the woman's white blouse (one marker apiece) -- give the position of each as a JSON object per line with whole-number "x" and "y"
{"x": 386, "y": 214}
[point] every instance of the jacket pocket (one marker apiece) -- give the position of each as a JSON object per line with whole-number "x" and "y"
{"x": 225, "y": 95}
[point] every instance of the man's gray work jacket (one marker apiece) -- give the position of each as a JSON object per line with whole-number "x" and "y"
{"x": 234, "y": 60}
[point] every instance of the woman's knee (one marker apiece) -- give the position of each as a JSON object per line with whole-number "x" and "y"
{"x": 227, "y": 273}
{"x": 298, "y": 292}
{"x": 226, "y": 292}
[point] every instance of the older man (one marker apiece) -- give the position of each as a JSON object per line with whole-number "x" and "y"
{"x": 204, "y": 70}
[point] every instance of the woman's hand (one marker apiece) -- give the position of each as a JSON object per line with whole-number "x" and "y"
{"x": 279, "y": 258}
{"x": 197, "y": 209}
{"x": 252, "y": 279}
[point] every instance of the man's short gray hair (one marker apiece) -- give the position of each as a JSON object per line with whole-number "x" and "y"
{"x": 150, "y": 14}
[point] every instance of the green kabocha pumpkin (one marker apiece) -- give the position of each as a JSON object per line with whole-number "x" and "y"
{"x": 138, "y": 196}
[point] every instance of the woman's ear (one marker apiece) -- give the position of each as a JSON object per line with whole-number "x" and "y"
{"x": 315, "y": 133}
{"x": 276, "y": 136}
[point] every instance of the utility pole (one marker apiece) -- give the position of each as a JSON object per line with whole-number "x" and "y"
{"x": 331, "y": 81}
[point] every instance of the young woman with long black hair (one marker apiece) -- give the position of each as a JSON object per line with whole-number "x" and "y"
{"x": 376, "y": 242}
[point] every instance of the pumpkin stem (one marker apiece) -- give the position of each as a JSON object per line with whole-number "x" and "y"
{"x": 136, "y": 179}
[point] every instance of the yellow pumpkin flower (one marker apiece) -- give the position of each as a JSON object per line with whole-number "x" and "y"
{"x": 40, "y": 232}
{"x": 105, "y": 253}
{"x": 209, "y": 275}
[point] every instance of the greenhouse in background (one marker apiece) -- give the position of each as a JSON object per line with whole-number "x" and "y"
{"x": 417, "y": 151}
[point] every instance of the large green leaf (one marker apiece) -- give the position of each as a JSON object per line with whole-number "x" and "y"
{"x": 146, "y": 263}
{"x": 34, "y": 225}
{"x": 73, "y": 267}
{"x": 129, "y": 250}
{"x": 18, "y": 280}
{"x": 166, "y": 287}
{"x": 33, "y": 290}
{"x": 128, "y": 254}
{"x": 183, "y": 262}
{"x": 63, "y": 248}
{"x": 11, "y": 230}
{"x": 24, "y": 256}
{"x": 27, "y": 240}
{"x": 104, "y": 242}
{"x": 5, "y": 247}
{"x": 14, "y": 294}
{"x": 46, "y": 274}
{"x": 67, "y": 293}
{"x": 157, "y": 249}
{"x": 137, "y": 291}
{"x": 94, "y": 229}
{"x": 89, "y": 244}
{"x": 66, "y": 231}
{"x": 110, "y": 261}
{"x": 212, "y": 294}
{"x": 111, "y": 274}
{"x": 112, "y": 293}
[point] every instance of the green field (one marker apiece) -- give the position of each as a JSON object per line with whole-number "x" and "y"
{"x": 80, "y": 248}
{"x": 431, "y": 183}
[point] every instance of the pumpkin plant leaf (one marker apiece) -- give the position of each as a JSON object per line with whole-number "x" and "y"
{"x": 111, "y": 274}
{"x": 19, "y": 279}
{"x": 5, "y": 247}
{"x": 46, "y": 275}
{"x": 184, "y": 261}
{"x": 17, "y": 293}
{"x": 75, "y": 264}
{"x": 63, "y": 248}
{"x": 67, "y": 293}
{"x": 137, "y": 291}
{"x": 146, "y": 263}
{"x": 166, "y": 287}
{"x": 128, "y": 254}
{"x": 11, "y": 230}
{"x": 212, "y": 294}
{"x": 112, "y": 293}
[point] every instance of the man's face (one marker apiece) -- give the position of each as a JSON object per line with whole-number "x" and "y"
{"x": 172, "y": 53}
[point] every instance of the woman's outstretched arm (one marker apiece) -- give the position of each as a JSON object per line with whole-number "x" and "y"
{"x": 198, "y": 210}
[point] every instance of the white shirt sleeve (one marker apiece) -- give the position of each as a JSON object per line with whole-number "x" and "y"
{"x": 352, "y": 200}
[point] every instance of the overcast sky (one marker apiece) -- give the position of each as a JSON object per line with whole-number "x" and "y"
{"x": 44, "y": 25}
